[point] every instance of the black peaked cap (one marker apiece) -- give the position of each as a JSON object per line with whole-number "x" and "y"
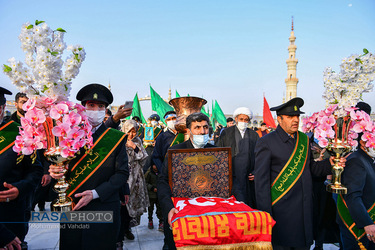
{"x": 292, "y": 107}
{"x": 3, "y": 91}
{"x": 365, "y": 107}
{"x": 95, "y": 92}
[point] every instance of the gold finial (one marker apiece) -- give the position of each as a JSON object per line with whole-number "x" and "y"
{"x": 292, "y": 24}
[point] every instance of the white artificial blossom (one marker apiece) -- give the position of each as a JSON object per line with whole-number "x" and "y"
{"x": 345, "y": 88}
{"x": 43, "y": 73}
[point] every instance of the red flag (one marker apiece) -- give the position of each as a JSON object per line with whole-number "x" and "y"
{"x": 267, "y": 116}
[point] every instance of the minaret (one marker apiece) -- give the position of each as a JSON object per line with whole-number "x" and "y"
{"x": 291, "y": 80}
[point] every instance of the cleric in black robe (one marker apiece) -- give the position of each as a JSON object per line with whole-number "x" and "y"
{"x": 100, "y": 192}
{"x": 242, "y": 141}
{"x": 17, "y": 182}
{"x": 197, "y": 124}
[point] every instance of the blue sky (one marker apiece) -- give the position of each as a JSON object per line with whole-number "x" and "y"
{"x": 231, "y": 51}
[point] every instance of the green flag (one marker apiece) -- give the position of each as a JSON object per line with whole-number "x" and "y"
{"x": 137, "y": 109}
{"x": 177, "y": 94}
{"x": 204, "y": 112}
{"x": 218, "y": 115}
{"x": 158, "y": 104}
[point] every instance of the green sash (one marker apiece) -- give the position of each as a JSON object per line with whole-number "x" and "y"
{"x": 88, "y": 164}
{"x": 179, "y": 138}
{"x": 292, "y": 170}
{"x": 140, "y": 131}
{"x": 157, "y": 132}
{"x": 8, "y": 134}
{"x": 345, "y": 216}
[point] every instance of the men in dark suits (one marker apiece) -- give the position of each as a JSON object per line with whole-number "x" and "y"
{"x": 99, "y": 191}
{"x": 242, "y": 141}
{"x": 359, "y": 178}
{"x": 283, "y": 182}
{"x": 17, "y": 182}
{"x": 197, "y": 125}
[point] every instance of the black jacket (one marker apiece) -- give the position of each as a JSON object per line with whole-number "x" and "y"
{"x": 359, "y": 178}
{"x": 25, "y": 176}
{"x": 293, "y": 212}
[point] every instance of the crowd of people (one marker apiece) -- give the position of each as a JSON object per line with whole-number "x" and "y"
{"x": 132, "y": 177}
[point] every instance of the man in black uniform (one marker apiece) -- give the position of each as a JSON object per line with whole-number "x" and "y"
{"x": 358, "y": 212}
{"x": 283, "y": 182}
{"x": 17, "y": 181}
{"x": 99, "y": 191}
{"x": 197, "y": 125}
{"x": 165, "y": 140}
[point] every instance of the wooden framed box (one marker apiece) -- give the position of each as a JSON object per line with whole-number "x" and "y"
{"x": 200, "y": 172}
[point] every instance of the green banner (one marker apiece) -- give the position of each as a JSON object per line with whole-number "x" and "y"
{"x": 137, "y": 109}
{"x": 158, "y": 104}
{"x": 292, "y": 170}
{"x": 88, "y": 164}
{"x": 218, "y": 114}
{"x": 8, "y": 134}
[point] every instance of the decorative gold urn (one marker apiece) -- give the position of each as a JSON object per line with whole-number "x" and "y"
{"x": 63, "y": 203}
{"x": 339, "y": 147}
{"x": 184, "y": 106}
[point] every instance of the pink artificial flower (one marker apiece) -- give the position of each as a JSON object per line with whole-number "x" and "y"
{"x": 329, "y": 120}
{"x": 35, "y": 116}
{"x": 332, "y": 108}
{"x": 69, "y": 104}
{"x": 72, "y": 119}
{"x": 360, "y": 127}
{"x": 350, "y": 109}
{"x": 61, "y": 130}
{"x": 357, "y": 115}
{"x": 58, "y": 110}
{"x": 76, "y": 133}
{"x": 78, "y": 144}
{"x": 367, "y": 136}
{"x": 353, "y": 143}
{"x": 352, "y": 135}
{"x": 29, "y": 104}
{"x": 370, "y": 143}
{"x": 67, "y": 153}
{"x": 80, "y": 108}
{"x": 18, "y": 144}
{"x": 67, "y": 143}
{"x": 47, "y": 101}
{"x": 323, "y": 142}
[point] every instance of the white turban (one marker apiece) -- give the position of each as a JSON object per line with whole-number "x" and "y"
{"x": 128, "y": 125}
{"x": 243, "y": 111}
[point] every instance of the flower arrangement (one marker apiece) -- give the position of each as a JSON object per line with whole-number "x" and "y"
{"x": 48, "y": 88}
{"x": 322, "y": 124}
{"x": 343, "y": 90}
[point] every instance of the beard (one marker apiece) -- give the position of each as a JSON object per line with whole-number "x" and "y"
{"x": 21, "y": 112}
